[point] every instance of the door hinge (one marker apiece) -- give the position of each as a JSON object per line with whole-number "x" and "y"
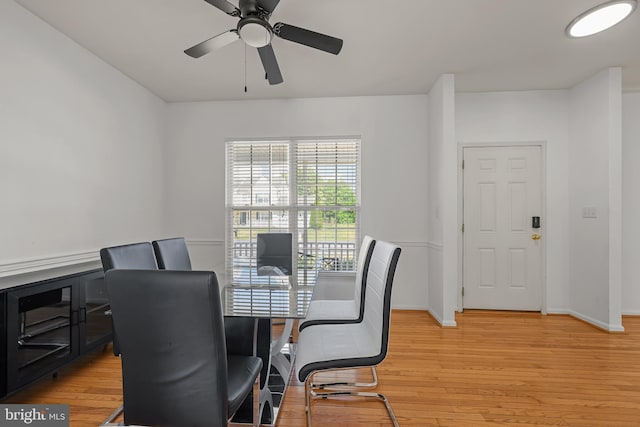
{"x": 463, "y": 291}
{"x": 463, "y": 228}
{"x": 463, "y": 164}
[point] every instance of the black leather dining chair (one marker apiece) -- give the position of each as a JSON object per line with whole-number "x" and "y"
{"x": 355, "y": 345}
{"x": 175, "y": 367}
{"x": 173, "y": 254}
{"x": 274, "y": 254}
{"x": 137, "y": 256}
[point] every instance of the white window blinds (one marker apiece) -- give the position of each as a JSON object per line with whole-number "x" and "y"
{"x": 310, "y": 188}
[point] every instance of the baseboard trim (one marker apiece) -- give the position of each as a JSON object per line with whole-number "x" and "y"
{"x": 594, "y": 322}
{"x": 557, "y": 311}
{"x": 408, "y": 307}
{"x": 443, "y": 324}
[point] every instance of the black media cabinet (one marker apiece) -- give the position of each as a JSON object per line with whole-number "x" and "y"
{"x": 48, "y": 324}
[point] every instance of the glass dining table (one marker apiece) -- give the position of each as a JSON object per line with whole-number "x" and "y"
{"x": 264, "y": 304}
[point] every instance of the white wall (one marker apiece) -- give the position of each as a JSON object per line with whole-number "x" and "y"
{"x": 81, "y": 163}
{"x": 394, "y": 156}
{"x": 81, "y": 167}
{"x": 631, "y": 203}
{"x": 521, "y": 117}
{"x": 442, "y": 218}
{"x": 594, "y": 181}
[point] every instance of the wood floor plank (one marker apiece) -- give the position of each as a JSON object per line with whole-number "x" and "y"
{"x": 494, "y": 369}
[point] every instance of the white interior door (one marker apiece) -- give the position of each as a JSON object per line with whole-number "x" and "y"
{"x": 502, "y": 264}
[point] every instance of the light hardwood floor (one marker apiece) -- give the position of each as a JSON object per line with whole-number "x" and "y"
{"x": 494, "y": 369}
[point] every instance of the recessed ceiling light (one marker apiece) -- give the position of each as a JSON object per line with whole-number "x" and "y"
{"x": 601, "y": 17}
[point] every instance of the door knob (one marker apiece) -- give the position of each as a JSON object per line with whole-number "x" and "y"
{"x": 535, "y": 236}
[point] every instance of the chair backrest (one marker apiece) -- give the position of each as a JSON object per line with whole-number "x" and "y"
{"x": 362, "y": 271}
{"x": 274, "y": 254}
{"x": 137, "y": 256}
{"x": 377, "y": 311}
{"x": 174, "y": 362}
{"x": 172, "y": 254}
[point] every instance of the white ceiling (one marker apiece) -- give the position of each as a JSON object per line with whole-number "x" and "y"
{"x": 390, "y": 47}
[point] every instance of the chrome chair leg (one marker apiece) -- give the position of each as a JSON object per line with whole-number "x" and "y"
{"x": 113, "y": 416}
{"x": 307, "y": 399}
{"x": 309, "y": 393}
{"x": 379, "y": 396}
{"x": 256, "y": 402}
{"x": 329, "y": 386}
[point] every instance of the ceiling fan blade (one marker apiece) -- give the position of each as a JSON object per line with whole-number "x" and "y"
{"x": 268, "y": 5}
{"x": 225, "y": 6}
{"x": 308, "y": 38}
{"x": 270, "y": 64}
{"x": 213, "y": 43}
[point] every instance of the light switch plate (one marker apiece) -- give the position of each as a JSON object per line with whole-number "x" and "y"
{"x": 590, "y": 212}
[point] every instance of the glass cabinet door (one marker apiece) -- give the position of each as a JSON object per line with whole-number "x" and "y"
{"x": 3, "y": 343}
{"x": 41, "y": 336}
{"x": 95, "y": 311}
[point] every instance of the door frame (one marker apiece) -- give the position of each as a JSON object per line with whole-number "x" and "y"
{"x": 543, "y": 184}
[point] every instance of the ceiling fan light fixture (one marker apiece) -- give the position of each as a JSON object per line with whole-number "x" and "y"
{"x": 600, "y": 18}
{"x": 254, "y": 32}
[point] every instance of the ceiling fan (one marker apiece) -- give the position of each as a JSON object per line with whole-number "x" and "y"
{"x": 254, "y": 29}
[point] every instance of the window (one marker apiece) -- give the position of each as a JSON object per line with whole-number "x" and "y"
{"x": 310, "y": 188}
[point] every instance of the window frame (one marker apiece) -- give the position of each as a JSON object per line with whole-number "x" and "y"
{"x": 294, "y": 208}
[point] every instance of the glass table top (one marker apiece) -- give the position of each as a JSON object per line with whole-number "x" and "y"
{"x": 289, "y": 302}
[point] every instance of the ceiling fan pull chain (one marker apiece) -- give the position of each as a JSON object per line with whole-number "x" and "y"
{"x": 266, "y": 75}
{"x": 245, "y": 68}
